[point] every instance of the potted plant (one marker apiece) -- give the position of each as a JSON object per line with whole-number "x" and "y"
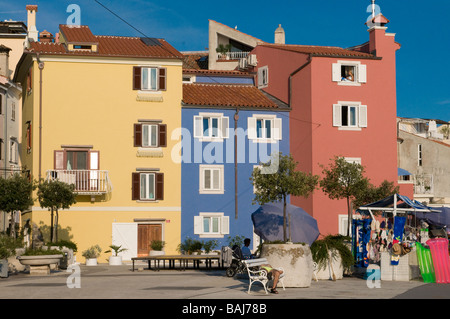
{"x": 40, "y": 260}
{"x": 157, "y": 247}
{"x": 223, "y": 50}
{"x": 91, "y": 254}
{"x": 115, "y": 260}
{"x": 209, "y": 245}
{"x": 332, "y": 256}
{"x": 190, "y": 246}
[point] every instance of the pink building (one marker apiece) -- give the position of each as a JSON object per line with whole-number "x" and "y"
{"x": 343, "y": 104}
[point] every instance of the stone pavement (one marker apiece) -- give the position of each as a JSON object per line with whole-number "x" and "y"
{"x": 119, "y": 282}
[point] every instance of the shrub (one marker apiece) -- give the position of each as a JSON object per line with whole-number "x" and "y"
{"x": 157, "y": 244}
{"x": 92, "y": 252}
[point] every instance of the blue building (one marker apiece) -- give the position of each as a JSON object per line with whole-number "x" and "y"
{"x": 228, "y": 129}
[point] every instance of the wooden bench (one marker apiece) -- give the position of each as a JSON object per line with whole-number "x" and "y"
{"x": 182, "y": 259}
{"x": 258, "y": 274}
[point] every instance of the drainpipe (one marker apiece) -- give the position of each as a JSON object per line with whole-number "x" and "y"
{"x": 236, "y": 118}
{"x": 41, "y": 67}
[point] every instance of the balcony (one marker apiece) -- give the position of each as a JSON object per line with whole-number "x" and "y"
{"x": 232, "y": 55}
{"x": 87, "y": 182}
{"x": 423, "y": 184}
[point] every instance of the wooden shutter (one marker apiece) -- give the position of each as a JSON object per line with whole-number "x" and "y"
{"x": 198, "y": 127}
{"x": 337, "y": 115}
{"x": 162, "y": 132}
{"x": 137, "y": 78}
{"x": 362, "y": 73}
{"x": 277, "y": 129}
{"x": 159, "y": 186}
{"x": 251, "y": 129}
{"x": 336, "y": 72}
{"x": 198, "y": 225}
{"x": 362, "y": 116}
{"x": 162, "y": 79}
{"x": 137, "y": 135}
{"x": 60, "y": 160}
{"x": 225, "y": 125}
{"x": 225, "y": 225}
{"x": 135, "y": 186}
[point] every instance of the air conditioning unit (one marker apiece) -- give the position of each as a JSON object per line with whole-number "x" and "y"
{"x": 243, "y": 63}
{"x": 251, "y": 60}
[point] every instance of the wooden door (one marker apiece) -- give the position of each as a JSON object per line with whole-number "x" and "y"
{"x": 147, "y": 233}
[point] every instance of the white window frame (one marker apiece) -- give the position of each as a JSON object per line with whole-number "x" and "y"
{"x": 276, "y": 128}
{"x": 263, "y": 77}
{"x": 220, "y": 182}
{"x": 149, "y": 85}
{"x": 146, "y": 142}
{"x": 222, "y": 128}
{"x": 145, "y": 177}
{"x": 352, "y": 160}
{"x": 13, "y": 149}
{"x": 361, "y": 115}
{"x": 222, "y": 220}
{"x": 360, "y": 75}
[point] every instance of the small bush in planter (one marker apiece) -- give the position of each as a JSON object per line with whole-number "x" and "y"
{"x": 190, "y": 246}
{"x": 65, "y": 243}
{"x": 42, "y": 252}
{"x": 335, "y": 244}
{"x": 92, "y": 252}
{"x": 209, "y": 245}
{"x": 157, "y": 245}
{"x": 116, "y": 250}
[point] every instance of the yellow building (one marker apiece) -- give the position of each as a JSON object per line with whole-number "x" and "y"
{"x": 99, "y": 112}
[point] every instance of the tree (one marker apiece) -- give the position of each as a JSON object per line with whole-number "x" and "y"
{"x": 371, "y": 193}
{"x": 344, "y": 180}
{"x": 55, "y": 195}
{"x": 16, "y": 195}
{"x": 277, "y": 179}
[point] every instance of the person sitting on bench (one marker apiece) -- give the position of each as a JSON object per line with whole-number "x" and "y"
{"x": 274, "y": 274}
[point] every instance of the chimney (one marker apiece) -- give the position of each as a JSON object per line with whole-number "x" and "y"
{"x": 31, "y": 22}
{"x": 4, "y": 60}
{"x": 45, "y": 36}
{"x": 279, "y": 35}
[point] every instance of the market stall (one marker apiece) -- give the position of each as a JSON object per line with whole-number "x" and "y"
{"x": 388, "y": 236}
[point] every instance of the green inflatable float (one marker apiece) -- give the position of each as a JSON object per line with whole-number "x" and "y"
{"x": 425, "y": 263}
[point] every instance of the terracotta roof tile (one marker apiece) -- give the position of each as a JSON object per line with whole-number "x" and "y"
{"x": 112, "y": 46}
{"x": 225, "y": 95}
{"x": 195, "y": 61}
{"x": 320, "y": 50}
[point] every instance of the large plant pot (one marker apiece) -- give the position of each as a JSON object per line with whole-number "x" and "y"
{"x": 115, "y": 260}
{"x": 40, "y": 264}
{"x": 157, "y": 253}
{"x": 325, "y": 272}
{"x": 91, "y": 261}
{"x": 4, "y": 268}
{"x": 295, "y": 259}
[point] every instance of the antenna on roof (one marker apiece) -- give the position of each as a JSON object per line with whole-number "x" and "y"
{"x": 373, "y": 8}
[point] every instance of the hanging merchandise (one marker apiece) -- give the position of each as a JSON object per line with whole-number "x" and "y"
{"x": 425, "y": 263}
{"x": 399, "y": 226}
{"x": 361, "y": 238}
{"x": 439, "y": 253}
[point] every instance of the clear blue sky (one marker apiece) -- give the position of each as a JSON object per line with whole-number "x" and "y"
{"x": 421, "y": 27}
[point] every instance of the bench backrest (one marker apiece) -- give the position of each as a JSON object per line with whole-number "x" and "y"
{"x": 255, "y": 262}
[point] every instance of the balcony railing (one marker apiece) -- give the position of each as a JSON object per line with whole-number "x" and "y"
{"x": 87, "y": 182}
{"x": 232, "y": 55}
{"x": 423, "y": 184}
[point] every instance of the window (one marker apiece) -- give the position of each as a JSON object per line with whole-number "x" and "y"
{"x": 13, "y": 111}
{"x": 264, "y": 128}
{"x": 13, "y": 148}
{"x": 28, "y": 136}
{"x": 1, "y": 104}
{"x": 419, "y": 154}
{"x": 76, "y": 158}
{"x": 211, "y": 126}
{"x": 211, "y": 179}
{"x": 149, "y": 78}
{"x": 263, "y": 77}
{"x": 150, "y": 134}
{"x": 29, "y": 80}
{"x": 212, "y": 225}
{"x": 147, "y": 186}
{"x": 350, "y": 115}
{"x": 349, "y": 73}
{"x": 1, "y": 149}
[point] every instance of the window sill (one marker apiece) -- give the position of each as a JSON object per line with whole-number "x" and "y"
{"x": 211, "y": 139}
{"x": 264, "y": 140}
{"x": 149, "y": 96}
{"x": 344, "y": 128}
{"x": 349, "y": 83}
{"x": 211, "y": 236}
{"x": 147, "y": 201}
{"x": 209, "y": 192}
{"x": 150, "y": 152}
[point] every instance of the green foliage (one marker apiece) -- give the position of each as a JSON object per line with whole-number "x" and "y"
{"x": 16, "y": 193}
{"x": 116, "y": 249}
{"x": 236, "y": 240}
{"x": 278, "y": 179}
{"x": 157, "y": 244}
{"x": 54, "y": 194}
{"x": 336, "y": 245}
{"x": 223, "y": 48}
{"x": 190, "y": 246}
{"x": 8, "y": 245}
{"x": 209, "y": 245}
{"x": 372, "y": 193}
{"x": 92, "y": 252}
{"x": 65, "y": 243}
{"x": 42, "y": 252}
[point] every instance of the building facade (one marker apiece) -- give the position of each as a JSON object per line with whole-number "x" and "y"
{"x": 101, "y": 111}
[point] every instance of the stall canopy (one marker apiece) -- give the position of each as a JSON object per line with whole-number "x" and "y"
{"x": 439, "y": 216}
{"x": 268, "y": 223}
{"x": 397, "y": 204}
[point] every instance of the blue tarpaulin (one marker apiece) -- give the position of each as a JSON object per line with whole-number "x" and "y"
{"x": 402, "y": 172}
{"x": 396, "y": 203}
{"x": 268, "y": 223}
